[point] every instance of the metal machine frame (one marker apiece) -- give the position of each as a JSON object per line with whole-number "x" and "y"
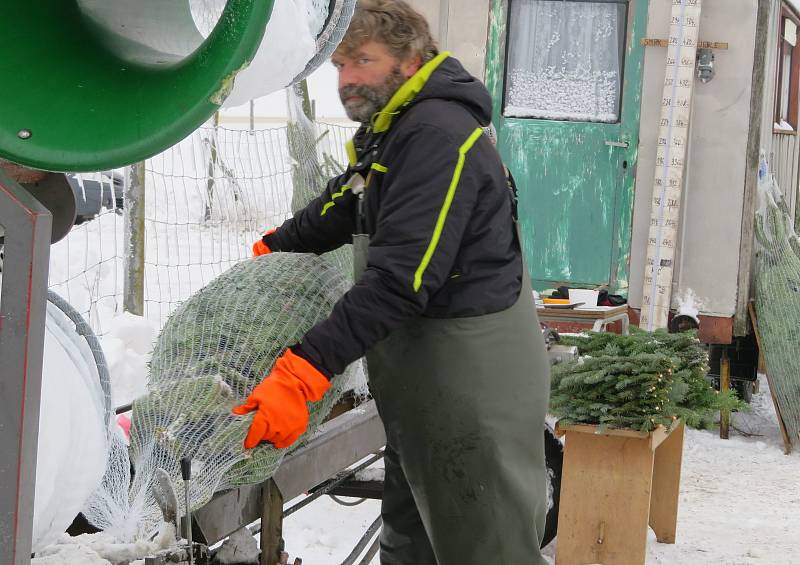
{"x": 23, "y": 303}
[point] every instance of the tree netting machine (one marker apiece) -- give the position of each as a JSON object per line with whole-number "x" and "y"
{"x": 98, "y": 84}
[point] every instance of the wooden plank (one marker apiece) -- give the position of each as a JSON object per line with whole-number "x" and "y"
{"x": 752, "y": 160}
{"x": 655, "y": 438}
{"x": 272, "y": 525}
{"x": 724, "y": 386}
{"x": 600, "y": 473}
{"x": 652, "y": 42}
{"x": 666, "y": 486}
{"x": 593, "y": 430}
{"x": 582, "y": 314}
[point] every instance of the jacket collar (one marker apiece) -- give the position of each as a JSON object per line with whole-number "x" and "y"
{"x": 382, "y": 120}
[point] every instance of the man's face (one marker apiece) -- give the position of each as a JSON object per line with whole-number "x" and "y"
{"x": 369, "y": 77}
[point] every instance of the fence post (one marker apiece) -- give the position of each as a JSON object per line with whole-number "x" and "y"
{"x": 212, "y": 166}
{"x": 133, "y": 293}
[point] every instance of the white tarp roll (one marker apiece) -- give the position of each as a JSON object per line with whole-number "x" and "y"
{"x": 73, "y": 451}
{"x": 289, "y": 44}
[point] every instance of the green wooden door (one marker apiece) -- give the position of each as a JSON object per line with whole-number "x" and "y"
{"x": 566, "y": 76}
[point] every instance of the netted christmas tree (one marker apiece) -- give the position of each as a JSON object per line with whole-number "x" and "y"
{"x": 639, "y": 381}
{"x": 777, "y": 301}
{"x": 212, "y": 351}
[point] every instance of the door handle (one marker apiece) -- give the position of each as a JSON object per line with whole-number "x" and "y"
{"x": 623, "y": 144}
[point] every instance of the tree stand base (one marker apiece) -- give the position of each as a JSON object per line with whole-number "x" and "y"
{"x": 614, "y": 484}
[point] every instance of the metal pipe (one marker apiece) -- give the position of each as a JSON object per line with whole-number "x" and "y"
{"x": 336, "y": 481}
{"x": 186, "y": 473}
{"x": 362, "y": 543}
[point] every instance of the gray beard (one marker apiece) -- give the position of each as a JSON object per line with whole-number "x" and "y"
{"x": 374, "y": 99}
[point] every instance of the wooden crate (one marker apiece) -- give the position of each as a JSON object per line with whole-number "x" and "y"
{"x": 613, "y": 485}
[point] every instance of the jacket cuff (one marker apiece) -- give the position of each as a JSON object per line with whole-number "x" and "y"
{"x": 310, "y": 355}
{"x": 270, "y": 239}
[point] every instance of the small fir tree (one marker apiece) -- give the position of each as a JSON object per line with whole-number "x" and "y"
{"x": 639, "y": 381}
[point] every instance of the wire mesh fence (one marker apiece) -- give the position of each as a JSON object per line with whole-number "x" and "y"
{"x": 206, "y": 200}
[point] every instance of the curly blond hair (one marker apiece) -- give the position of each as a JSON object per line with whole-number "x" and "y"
{"x": 403, "y": 30}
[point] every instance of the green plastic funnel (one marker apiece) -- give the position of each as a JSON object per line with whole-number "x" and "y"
{"x": 89, "y": 85}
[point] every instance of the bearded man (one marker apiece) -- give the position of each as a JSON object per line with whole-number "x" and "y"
{"x": 442, "y": 305}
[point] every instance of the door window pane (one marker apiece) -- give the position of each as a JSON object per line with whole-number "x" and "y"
{"x": 565, "y": 60}
{"x": 787, "y": 81}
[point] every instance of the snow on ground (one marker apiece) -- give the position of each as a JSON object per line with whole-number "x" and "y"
{"x": 740, "y": 498}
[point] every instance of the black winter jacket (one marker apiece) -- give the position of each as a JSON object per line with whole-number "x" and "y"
{"x": 438, "y": 211}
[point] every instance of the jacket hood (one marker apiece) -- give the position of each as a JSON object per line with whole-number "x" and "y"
{"x": 442, "y": 77}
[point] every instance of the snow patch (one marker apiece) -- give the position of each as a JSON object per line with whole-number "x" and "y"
{"x": 127, "y": 345}
{"x": 238, "y": 549}
{"x": 102, "y": 549}
{"x": 688, "y": 304}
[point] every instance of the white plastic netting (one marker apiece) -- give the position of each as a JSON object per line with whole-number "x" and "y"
{"x": 211, "y": 353}
{"x": 777, "y": 285}
{"x": 312, "y": 167}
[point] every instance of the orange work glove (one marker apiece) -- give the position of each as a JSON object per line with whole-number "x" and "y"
{"x": 261, "y": 248}
{"x": 280, "y": 401}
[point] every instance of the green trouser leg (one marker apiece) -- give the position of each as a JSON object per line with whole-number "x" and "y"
{"x": 463, "y": 402}
{"x": 403, "y": 538}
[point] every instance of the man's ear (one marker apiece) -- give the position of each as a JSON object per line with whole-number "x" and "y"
{"x": 411, "y": 66}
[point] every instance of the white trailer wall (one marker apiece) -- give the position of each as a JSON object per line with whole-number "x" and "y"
{"x": 459, "y": 26}
{"x": 709, "y": 245}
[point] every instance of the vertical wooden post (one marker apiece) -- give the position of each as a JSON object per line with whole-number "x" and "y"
{"x": 271, "y": 524}
{"x": 133, "y": 289}
{"x": 212, "y": 165}
{"x": 724, "y": 386}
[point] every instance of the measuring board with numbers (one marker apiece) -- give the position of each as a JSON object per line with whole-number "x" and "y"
{"x": 673, "y": 138}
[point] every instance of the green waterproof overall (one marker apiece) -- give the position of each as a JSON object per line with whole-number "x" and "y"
{"x": 463, "y": 401}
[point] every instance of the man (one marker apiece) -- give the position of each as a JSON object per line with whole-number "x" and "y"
{"x": 443, "y": 308}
